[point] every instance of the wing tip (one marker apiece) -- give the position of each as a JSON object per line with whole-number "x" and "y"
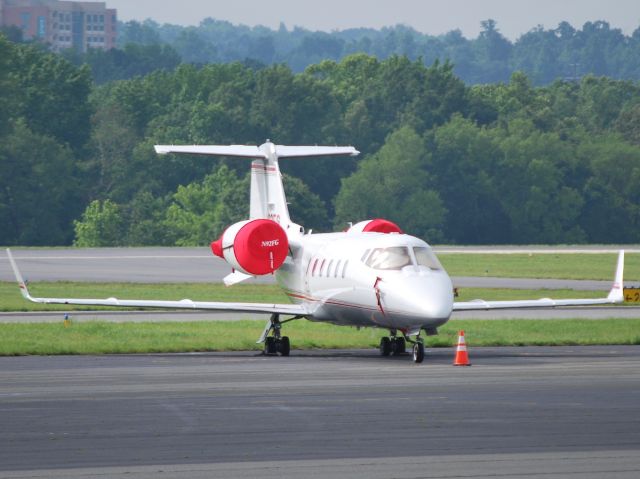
{"x": 616, "y": 294}
{"x": 22, "y": 285}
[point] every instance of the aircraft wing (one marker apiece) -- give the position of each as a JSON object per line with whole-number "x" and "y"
{"x": 284, "y": 151}
{"x": 616, "y": 295}
{"x": 245, "y": 151}
{"x": 266, "y": 308}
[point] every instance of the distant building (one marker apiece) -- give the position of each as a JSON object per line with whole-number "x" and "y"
{"x": 62, "y": 24}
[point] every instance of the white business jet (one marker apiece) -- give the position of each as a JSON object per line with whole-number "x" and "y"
{"x": 369, "y": 275}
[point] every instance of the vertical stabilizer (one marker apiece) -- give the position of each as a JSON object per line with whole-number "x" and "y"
{"x": 267, "y": 191}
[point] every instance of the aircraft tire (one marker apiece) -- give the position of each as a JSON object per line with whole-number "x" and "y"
{"x": 284, "y": 346}
{"x": 418, "y": 352}
{"x": 399, "y": 346}
{"x": 270, "y": 346}
{"x": 385, "y": 346}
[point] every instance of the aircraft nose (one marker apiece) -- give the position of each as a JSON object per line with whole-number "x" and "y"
{"x": 428, "y": 296}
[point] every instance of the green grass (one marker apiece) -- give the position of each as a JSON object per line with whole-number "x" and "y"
{"x": 120, "y": 338}
{"x": 546, "y": 265}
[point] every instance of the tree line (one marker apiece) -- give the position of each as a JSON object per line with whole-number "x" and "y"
{"x": 544, "y": 55}
{"x": 492, "y": 163}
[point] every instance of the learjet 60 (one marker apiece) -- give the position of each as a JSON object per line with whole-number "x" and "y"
{"x": 371, "y": 275}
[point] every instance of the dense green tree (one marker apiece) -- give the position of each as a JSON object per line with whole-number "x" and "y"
{"x": 601, "y": 99}
{"x": 7, "y": 85}
{"x": 144, "y": 218}
{"x": 53, "y": 95}
{"x": 133, "y": 60}
{"x": 534, "y": 187}
{"x": 628, "y": 123}
{"x": 305, "y": 207}
{"x": 145, "y": 33}
{"x": 611, "y": 213}
{"x": 464, "y": 159}
{"x": 101, "y": 225}
{"x": 393, "y": 184}
{"x": 201, "y": 211}
{"x": 39, "y": 191}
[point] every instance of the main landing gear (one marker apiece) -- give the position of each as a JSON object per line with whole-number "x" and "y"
{"x": 276, "y": 343}
{"x": 396, "y": 345}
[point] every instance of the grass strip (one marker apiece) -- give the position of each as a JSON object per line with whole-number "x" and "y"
{"x": 167, "y": 337}
{"x": 541, "y": 265}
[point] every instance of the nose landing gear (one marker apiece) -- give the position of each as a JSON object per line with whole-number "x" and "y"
{"x": 396, "y": 346}
{"x": 418, "y": 351}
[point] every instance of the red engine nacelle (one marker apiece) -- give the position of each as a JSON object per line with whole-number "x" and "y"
{"x": 375, "y": 226}
{"x": 254, "y": 247}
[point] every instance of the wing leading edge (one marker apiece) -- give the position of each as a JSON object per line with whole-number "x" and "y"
{"x": 616, "y": 295}
{"x": 265, "y": 308}
{"x": 249, "y": 151}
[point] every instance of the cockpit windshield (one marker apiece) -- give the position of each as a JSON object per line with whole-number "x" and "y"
{"x": 426, "y": 257}
{"x": 395, "y": 257}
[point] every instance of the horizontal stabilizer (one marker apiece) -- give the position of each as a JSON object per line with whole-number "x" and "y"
{"x": 258, "y": 152}
{"x": 244, "y": 151}
{"x": 301, "y": 151}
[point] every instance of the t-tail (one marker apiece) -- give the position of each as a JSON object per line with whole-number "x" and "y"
{"x": 260, "y": 244}
{"x": 268, "y": 200}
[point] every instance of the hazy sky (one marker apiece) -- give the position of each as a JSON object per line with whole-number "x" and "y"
{"x": 514, "y": 17}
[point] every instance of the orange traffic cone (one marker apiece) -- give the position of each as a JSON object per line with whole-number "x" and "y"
{"x": 461, "y": 359}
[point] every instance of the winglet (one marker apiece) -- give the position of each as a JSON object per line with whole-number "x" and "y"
{"x": 616, "y": 295}
{"x": 23, "y": 286}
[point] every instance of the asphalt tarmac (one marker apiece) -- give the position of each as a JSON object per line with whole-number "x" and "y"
{"x": 517, "y": 412}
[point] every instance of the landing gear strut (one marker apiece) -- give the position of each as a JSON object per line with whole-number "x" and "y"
{"x": 276, "y": 343}
{"x": 396, "y": 345}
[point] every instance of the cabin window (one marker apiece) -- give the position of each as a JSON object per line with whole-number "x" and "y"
{"x": 313, "y": 270}
{"x": 395, "y": 257}
{"x": 426, "y": 257}
{"x": 344, "y": 268}
{"x": 321, "y": 271}
{"x": 364, "y": 256}
{"x": 329, "y": 268}
{"x": 335, "y": 274}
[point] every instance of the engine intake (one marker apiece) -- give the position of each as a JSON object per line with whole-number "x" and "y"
{"x": 375, "y": 226}
{"x": 254, "y": 247}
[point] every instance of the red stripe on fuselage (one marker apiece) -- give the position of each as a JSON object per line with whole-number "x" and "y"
{"x": 264, "y": 168}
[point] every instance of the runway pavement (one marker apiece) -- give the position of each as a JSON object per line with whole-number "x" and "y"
{"x": 517, "y": 412}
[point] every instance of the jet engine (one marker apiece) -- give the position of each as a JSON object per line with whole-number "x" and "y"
{"x": 375, "y": 226}
{"x": 254, "y": 247}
